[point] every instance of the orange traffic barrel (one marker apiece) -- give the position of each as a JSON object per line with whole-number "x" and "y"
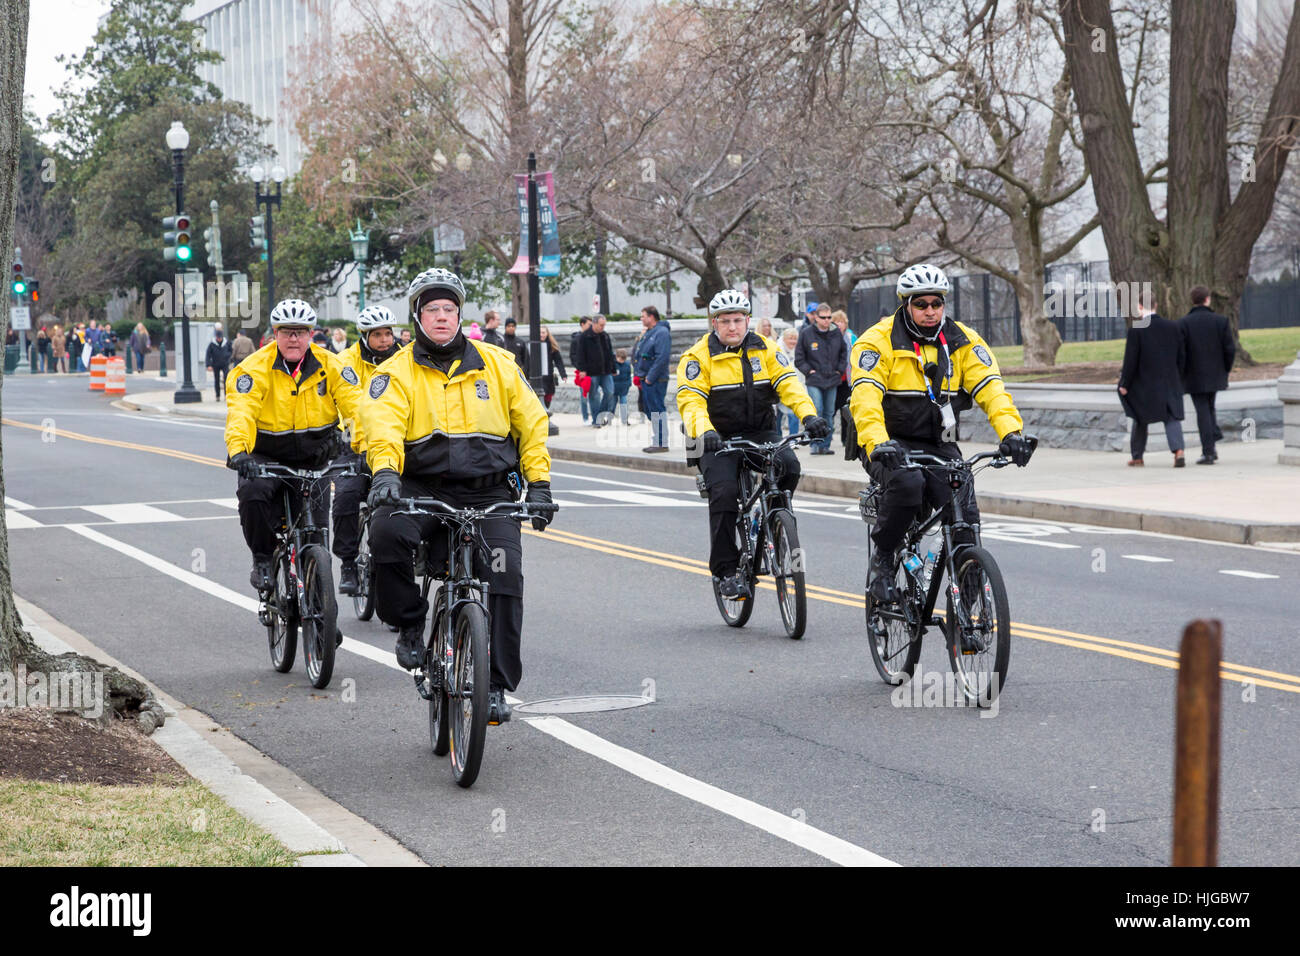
{"x": 98, "y": 368}
{"x": 115, "y": 377}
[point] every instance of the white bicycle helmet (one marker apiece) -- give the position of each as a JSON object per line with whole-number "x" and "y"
{"x": 293, "y": 312}
{"x": 433, "y": 279}
{"x": 920, "y": 279}
{"x": 375, "y": 317}
{"x": 728, "y": 300}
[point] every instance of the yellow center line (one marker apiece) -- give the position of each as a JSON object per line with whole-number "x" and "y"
{"x": 132, "y": 446}
{"x": 1143, "y": 653}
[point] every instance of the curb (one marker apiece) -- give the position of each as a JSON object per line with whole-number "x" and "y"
{"x": 1020, "y": 506}
{"x": 128, "y": 405}
{"x": 238, "y": 773}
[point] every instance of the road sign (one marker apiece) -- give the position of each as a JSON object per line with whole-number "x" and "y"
{"x": 20, "y": 318}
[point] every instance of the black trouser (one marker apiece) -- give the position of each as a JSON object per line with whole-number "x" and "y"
{"x": 722, "y": 475}
{"x": 394, "y": 539}
{"x": 1137, "y": 442}
{"x": 1206, "y": 422}
{"x": 260, "y": 510}
{"x": 219, "y": 378}
{"x": 349, "y": 492}
{"x": 905, "y": 490}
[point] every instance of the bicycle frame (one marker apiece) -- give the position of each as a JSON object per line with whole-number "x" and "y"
{"x": 763, "y": 493}
{"x": 300, "y": 530}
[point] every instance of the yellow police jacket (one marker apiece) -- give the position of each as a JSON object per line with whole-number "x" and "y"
{"x": 355, "y": 359}
{"x": 290, "y": 419}
{"x": 732, "y": 391}
{"x": 479, "y": 418}
{"x": 889, "y": 398}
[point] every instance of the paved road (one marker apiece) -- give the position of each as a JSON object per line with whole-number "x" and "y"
{"x": 756, "y": 749}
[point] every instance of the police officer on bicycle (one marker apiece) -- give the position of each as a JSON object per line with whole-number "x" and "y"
{"x": 912, "y": 375}
{"x": 376, "y": 342}
{"x": 727, "y": 385}
{"x": 455, "y": 420}
{"x": 283, "y": 405}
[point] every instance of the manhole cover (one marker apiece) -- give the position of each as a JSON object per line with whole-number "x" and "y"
{"x": 582, "y": 705}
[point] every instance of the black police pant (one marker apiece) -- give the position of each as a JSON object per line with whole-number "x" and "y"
{"x": 260, "y": 509}
{"x": 394, "y": 539}
{"x": 348, "y": 494}
{"x": 906, "y": 491}
{"x": 722, "y": 476}
{"x": 1206, "y": 421}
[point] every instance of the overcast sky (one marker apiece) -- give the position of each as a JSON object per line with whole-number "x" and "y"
{"x": 56, "y": 27}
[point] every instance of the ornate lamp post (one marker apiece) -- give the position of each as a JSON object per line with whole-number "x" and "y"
{"x": 360, "y": 251}
{"x": 178, "y": 140}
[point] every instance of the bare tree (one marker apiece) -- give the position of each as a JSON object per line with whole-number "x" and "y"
{"x": 1208, "y": 233}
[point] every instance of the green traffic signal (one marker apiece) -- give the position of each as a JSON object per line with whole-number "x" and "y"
{"x": 183, "y": 253}
{"x": 19, "y": 287}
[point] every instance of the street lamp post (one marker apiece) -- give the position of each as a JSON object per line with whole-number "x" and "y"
{"x": 268, "y": 199}
{"x": 360, "y": 251}
{"x": 178, "y": 140}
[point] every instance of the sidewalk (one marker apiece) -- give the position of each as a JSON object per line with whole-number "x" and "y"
{"x": 1245, "y": 498}
{"x": 319, "y": 831}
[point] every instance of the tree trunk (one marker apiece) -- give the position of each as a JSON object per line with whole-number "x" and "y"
{"x": 712, "y": 281}
{"x": 1041, "y": 338}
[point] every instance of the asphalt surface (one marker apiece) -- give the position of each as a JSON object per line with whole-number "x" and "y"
{"x": 756, "y": 749}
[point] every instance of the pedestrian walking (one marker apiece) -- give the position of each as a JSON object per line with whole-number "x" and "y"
{"x": 241, "y": 348}
{"x": 555, "y": 367}
{"x": 622, "y": 382}
{"x": 1151, "y": 381}
{"x": 575, "y": 356}
{"x": 597, "y": 352}
{"x": 1207, "y": 337}
{"x": 652, "y": 370}
{"x": 491, "y": 334}
{"x": 218, "y": 360}
{"x": 822, "y": 357}
{"x": 511, "y": 343}
{"x": 109, "y": 340}
{"x": 405, "y": 338}
{"x": 58, "y": 349}
{"x": 42, "y": 350}
{"x": 139, "y": 344}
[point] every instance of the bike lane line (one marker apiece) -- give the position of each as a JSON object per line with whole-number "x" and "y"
{"x": 747, "y": 811}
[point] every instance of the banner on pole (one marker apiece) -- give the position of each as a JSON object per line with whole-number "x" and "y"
{"x": 550, "y": 238}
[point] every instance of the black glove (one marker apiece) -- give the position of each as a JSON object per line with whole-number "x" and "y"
{"x": 539, "y": 493}
{"x": 1016, "y": 447}
{"x": 245, "y": 464}
{"x": 888, "y": 453}
{"x": 710, "y": 441}
{"x": 816, "y": 427}
{"x": 385, "y": 488}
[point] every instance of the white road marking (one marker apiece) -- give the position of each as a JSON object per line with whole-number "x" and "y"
{"x": 16, "y": 520}
{"x": 1249, "y": 574}
{"x": 640, "y": 498}
{"x": 225, "y": 502}
{"x": 611, "y": 481}
{"x": 16, "y": 504}
{"x": 131, "y": 513}
{"x": 1151, "y": 558}
{"x": 162, "y": 420}
{"x": 770, "y": 821}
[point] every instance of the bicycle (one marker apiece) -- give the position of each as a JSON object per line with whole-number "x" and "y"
{"x": 976, "y": 624}
{"x": 301, "y": 596}
{"x": 766, "y": 536}
{"x": 455, "y": 674}
{"x": 363, "y": 601}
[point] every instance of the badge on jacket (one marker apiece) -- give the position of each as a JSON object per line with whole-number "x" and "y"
{"x": 982, "y": 354}
{"x": 349, "y": 376}
{"x": 377, "y": 385}
{"x": 756, "y": 364}
{"x": 781, "y": 359}
{"x": 481, "y": 389}
{"x": 868, "y": 359}
{"x": 815, "y": 344}
{"x": 692, "y": 370}
{"x": 244, "y": 384}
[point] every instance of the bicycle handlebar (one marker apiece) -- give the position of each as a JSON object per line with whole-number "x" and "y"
{"x": 516, "y": 509}
{"x": 744, "y": 444}
{"x": 272, "y": 469}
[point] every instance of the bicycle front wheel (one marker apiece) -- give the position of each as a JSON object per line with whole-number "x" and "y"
{"x": 978, "y": 627}
{"x": 788, "y": 572}
{"x": 319, "y": 615}
{"x": 363, "y": 602}
{"x": 282, "y": 632}
{"x": 439, "y": 711}
{"x": 468, "y": 693}
{"x": 894, "y": 629}
{"x": 736, "y": 611}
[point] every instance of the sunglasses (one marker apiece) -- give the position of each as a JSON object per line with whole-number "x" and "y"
{"x": 924, "y": 304}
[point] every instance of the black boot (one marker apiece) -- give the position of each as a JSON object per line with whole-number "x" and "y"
{"x": 410, "y": 646}
{"x": 882, "y": 575}
{"x": 262, "y": 577}
{"x": 348, "y": 578}
{"x": 498, "y": 709}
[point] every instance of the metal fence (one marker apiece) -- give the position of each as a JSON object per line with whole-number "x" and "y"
{"x": 988, "y": 305}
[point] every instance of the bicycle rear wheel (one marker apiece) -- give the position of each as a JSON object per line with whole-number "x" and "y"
{"x": 439, "y": 711}
{"x": 788, "y": 572}
{"x": 468, "y": 694}
{"x": 363, "y": 602}
{"x": 282, "y": 632}
{"x": 894, "y": 629}
{"x": 735, "y": 611}
{"x": 319, "y": 615}
{"x": 978, "y": 627}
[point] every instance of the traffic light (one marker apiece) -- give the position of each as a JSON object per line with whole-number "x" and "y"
{"x": 34, "y": 287}
{"x": 19, "y": 283}
{"x": 210, "y": 241}
{"x": 257, "y": 234}
{"x": 176, "y": 238}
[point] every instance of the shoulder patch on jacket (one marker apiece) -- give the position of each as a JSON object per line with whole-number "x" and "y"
{"x": 481, "y": 389}
{"x": 982, "y": 354}
{"x": 692, "y": 370}
{"x": 780, "y": 357}
{"x": 868, "y": 359}
{"x": 349, "y": 376}
{"x": 244, "y": 384}
{"x": 378, "y": 384}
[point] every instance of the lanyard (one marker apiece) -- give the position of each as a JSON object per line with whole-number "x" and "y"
{"x": 947, "y": 360}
